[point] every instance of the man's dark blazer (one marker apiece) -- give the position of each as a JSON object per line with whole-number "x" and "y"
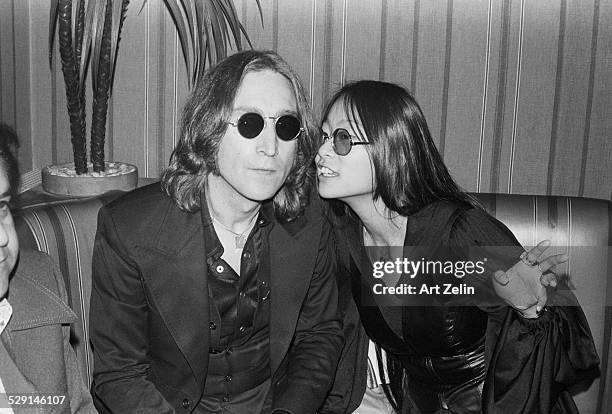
{"x": 150, "y": 311}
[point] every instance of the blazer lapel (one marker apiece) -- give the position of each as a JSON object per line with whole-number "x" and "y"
{"x": 176, "y": 275}
{"x": 353, "y": 242}
{"x": 293, "y": 253}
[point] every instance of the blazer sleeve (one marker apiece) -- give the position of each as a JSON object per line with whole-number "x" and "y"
{"x": 119, "y": 334}
{"x": 350, "y": 378}
{"x": 313, "y": 355}
{"x": 531, "y": 362}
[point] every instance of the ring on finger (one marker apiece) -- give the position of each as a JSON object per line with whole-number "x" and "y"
{"x": 525, "y": 259}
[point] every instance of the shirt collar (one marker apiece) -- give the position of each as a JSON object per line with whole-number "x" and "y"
{"x": 6, "y": 311}
{"x": 214, "y": 249}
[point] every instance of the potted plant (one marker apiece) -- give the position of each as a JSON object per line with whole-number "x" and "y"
{"x": 89, "y": 32}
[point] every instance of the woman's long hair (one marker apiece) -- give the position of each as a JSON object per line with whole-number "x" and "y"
{"x": 409, "y": 172}
{"x": 204, "y": 123}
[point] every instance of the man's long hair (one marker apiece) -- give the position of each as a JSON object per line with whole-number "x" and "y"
{"x": 204, "y": 123}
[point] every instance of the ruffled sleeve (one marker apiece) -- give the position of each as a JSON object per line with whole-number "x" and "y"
{"x": 530, "y": 362}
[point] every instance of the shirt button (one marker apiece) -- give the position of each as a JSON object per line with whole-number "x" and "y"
{"x": 246, "y": 255}
{"x": 226, "y": 398}
{"x": 261, "y": 222}
{"x": 242, "y": 329}
{"x": 220, "y": 269}
{"x": 228, "y": 378}
{"x": 212, "y": 326}
{"x": 185, "y": 403}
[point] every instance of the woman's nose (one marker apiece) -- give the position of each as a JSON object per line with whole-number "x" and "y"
{"x": 326, "y": 149}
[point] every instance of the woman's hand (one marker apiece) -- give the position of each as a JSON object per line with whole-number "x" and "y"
{"x": 523, "y": 286}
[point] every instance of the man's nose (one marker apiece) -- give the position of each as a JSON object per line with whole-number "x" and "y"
{"x": 267, "y": 140}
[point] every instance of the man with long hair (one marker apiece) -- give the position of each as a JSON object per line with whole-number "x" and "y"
{"x": 215, "y": 291}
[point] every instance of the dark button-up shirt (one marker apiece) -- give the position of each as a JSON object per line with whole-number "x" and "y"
{"x": 239, "y": 358}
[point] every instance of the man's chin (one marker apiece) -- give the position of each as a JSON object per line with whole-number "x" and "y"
{"x": 261, "y": 194}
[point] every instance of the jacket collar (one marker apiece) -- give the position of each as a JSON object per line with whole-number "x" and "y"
{"x": 35, "y": 305}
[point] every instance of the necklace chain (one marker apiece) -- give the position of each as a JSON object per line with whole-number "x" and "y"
{"x": 239, "y": 238}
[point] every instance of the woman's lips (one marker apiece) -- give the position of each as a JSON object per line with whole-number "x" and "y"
{"x": 324, "y": 171}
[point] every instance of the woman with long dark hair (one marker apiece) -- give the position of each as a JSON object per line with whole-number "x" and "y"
{"x": 483, "y": 341}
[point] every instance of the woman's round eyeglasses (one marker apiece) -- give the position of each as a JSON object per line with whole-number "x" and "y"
{"x": 342, "y": 141}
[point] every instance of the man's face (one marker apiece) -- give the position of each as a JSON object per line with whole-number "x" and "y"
{"x": 9, "y": 246}
{"x": 255, "y": 169}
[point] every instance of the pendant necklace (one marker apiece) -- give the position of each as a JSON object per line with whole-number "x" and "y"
{"x": 372, "y": 249}
{"x": 240, "y": 239}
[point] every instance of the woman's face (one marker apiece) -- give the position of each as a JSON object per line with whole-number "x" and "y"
{"x": 345, "y": 177}
{"x": 9, "y": 246}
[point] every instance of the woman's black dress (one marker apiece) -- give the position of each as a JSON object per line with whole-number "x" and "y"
{"x": 471, "y": 353}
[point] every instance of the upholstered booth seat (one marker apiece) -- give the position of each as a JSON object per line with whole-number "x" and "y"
{"x": 580, "y": 227}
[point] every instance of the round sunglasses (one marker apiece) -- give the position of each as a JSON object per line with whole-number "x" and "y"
{"x": 250, "y": 125}
{"x": 342, "y": 141}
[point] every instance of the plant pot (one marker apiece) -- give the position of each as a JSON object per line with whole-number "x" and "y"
{"x": 62, "y": 179}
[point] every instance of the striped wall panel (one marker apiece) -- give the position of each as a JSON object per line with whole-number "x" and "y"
{"x": 518, "y": 93}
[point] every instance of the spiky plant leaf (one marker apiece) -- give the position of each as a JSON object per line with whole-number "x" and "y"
{"x": 52, "y": 26}
{"x": 97, "y": 31}
{"x": 74, "y": 13}
{"x": 102, "y": 80}
{"x": 88, "y": 34}
{"x": 231, "y": 15}
{"x": 177, "y": 12}
{"x": 76, "y": 111}
{"x": 79, "y": 28}
{"x": 118, "y": 16}
{"x": 205, "y": 29}
{"x": 218, "y": 32}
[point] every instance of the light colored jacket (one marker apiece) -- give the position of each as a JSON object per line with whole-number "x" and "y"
{"x": 36, "y": 357}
